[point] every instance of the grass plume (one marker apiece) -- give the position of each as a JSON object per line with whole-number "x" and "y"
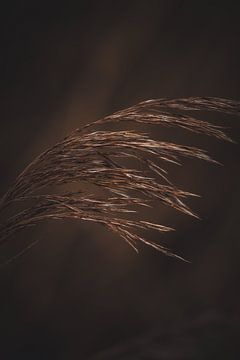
{"x": 93, "y": 156}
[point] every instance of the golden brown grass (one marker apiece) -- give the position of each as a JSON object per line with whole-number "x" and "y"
{"x": 94, "y": 156}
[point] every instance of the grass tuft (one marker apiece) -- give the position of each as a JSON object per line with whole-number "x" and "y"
{"x": 94, "y": 156}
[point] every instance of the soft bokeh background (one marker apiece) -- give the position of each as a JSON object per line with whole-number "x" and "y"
{"x": 82, "y": 293}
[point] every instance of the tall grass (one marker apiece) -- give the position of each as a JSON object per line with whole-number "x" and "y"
{"x": 96, "y": 156}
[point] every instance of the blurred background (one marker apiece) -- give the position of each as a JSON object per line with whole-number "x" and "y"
{"x": 81, "y": 292}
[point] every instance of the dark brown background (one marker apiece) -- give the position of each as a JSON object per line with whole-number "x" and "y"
{"x": 82, "y": 293}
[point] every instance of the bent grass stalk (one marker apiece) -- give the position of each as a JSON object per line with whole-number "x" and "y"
{"x": 94, "y": 156}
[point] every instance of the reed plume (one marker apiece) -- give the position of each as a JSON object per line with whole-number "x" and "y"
{"x": 96, "y": 157}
